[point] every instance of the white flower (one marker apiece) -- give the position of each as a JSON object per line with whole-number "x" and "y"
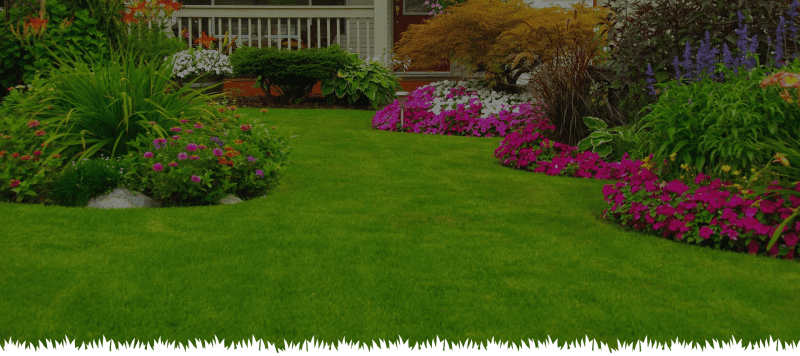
{"x": 195, "y": 62}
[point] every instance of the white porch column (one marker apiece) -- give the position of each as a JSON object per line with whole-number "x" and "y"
{"x": 382, "y": 25}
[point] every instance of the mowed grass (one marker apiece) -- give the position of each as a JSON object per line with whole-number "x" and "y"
{"x": 374, "y": 235}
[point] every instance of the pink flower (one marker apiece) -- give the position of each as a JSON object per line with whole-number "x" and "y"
{"x": 175, "y": 129}
{"x": 14, "y": 183}
{"x": 194, "y": 157}
{"x": 158, "y": 167}
{"x": 198, "y": 126}
{"x": 173, "y": 164}
{"x": 706, "y": 232}
{"x": 176, "y": 138}
{"x": 183, "y": 121}
{"x": 33, "y": 123}
{"x": 665, "y": 209}
{"x": 676, "y": 187}
{"x": 790, "y": 239}
{"x": 191, "y": 147}
{"x": 218, "y": 152}
{"x": 189, "y": 131}
{"x": 182, "y": 156}
{"x": 196, "y": 179}
{"x": 148, "y": 154}
{"x": 246, "y": 127}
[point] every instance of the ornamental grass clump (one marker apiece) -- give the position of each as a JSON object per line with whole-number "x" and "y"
{"x": 465, "y": 108}
{"x": 100, "y": 106}
{"x": 87, "y": 179}
{"x": 198, "y": 163}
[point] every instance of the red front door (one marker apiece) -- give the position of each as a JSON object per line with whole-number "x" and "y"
{"x": 412, "y": 12}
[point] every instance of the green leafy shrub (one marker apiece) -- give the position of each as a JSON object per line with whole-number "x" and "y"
{"x": 201, "y": 164}
{"x": 611, "y": 143}
{"x": 87, "y": 179}
{"x": 656, "y": 32}
{"x": 707, "y": 124}
{"x": 361, "y": 82}
{"x": 28, "y": 163}
{"x": 293, "y": 72}
{"x": 64, "y": 28}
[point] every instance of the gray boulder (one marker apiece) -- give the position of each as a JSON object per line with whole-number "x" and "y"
{"x": 121, "y": 198}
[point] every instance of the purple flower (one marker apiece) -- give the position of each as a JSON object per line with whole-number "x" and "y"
{"x": 676, "y": 64}
{"x": 198, "y": 126}
{"x": 792, "y": 14}
{"x": 158, "y": 167}
{"x": 779, "y": 42}
{"x": 175, "y": 129}
{"x": 196, "y": 179}
{"x": 191, "y": 147}
{"x": 251, "y": 158}
{"x": 650, "y": 80}
{"x": 687, "y": 60}
{"x": 176, "y": 138}
{"x": 183, "y": 156}
{"x": 705, "y": 56}
{"x": 173, "y": 164}
{"x": 676, "y": 187}
{"x": 218, "y": 152}
{"x": 148, "y": 154}
{"x": 726, "y": 56}
{"x": 260, "y": 173}
{"x": 159, "y": 141}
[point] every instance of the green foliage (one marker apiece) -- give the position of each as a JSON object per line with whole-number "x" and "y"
{"x": 709, "y": 124}
{"x": 28, "y": 165}
{"x": 248, "y": 162}
{"x": 362, "y": 82}
{"x": 611, "y": 143}
{"x": 152, "y": 44}
{"x": 85, "y": 180}
{"x": 294, "y": 72}
{"x": 66, "y": 29}
{"x": 655, "y": 31}
{"x": 102, "y": 105}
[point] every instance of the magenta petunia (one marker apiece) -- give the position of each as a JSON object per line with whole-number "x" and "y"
{"x": 676, "y": 187}
{"x": 706, "y": 232}
{"x": 790, "y": 239}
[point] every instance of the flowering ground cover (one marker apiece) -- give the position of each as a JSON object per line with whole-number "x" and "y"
{"x": 372, "y": 235}
{"x": 464, "y": 108}
{"x": 707, "y": 212}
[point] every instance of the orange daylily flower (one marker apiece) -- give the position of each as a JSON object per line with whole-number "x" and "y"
{"x": 138, "y": 7}
{"x": 781, "y": 158}
{"x": 205, "y": 40}
{"x": 782, "y": 78}
{"x": 128, "y": 17}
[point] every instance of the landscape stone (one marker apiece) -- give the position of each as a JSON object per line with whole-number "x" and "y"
{"x": 230, "y": 199}
{"x": 121, "y": 198}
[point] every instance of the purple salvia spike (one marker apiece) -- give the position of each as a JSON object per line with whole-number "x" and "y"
{"x": 751, "y": 62}
{"x": 676, "y": 63}
{"x": 779, "y": 42}
{"x": 726, "y": 56}
{"x": 687, "y": 60}
{"x": 650, "y": 80}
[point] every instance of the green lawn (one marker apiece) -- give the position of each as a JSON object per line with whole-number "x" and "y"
{"x": 377, "y": 234}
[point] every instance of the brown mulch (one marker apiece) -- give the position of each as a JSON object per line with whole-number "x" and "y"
{"x": 313, "y": 102}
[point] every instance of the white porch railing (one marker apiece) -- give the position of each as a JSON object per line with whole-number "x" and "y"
{"x": 355, "y": 28}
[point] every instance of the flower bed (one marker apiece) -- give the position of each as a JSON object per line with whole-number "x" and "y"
{"x": 704, "y": 212}
{"x": 464, "y": 108}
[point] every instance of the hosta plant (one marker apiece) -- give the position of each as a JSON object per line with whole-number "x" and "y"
{"x": 611, "y": 142}
{"x": 360, "y": 82}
